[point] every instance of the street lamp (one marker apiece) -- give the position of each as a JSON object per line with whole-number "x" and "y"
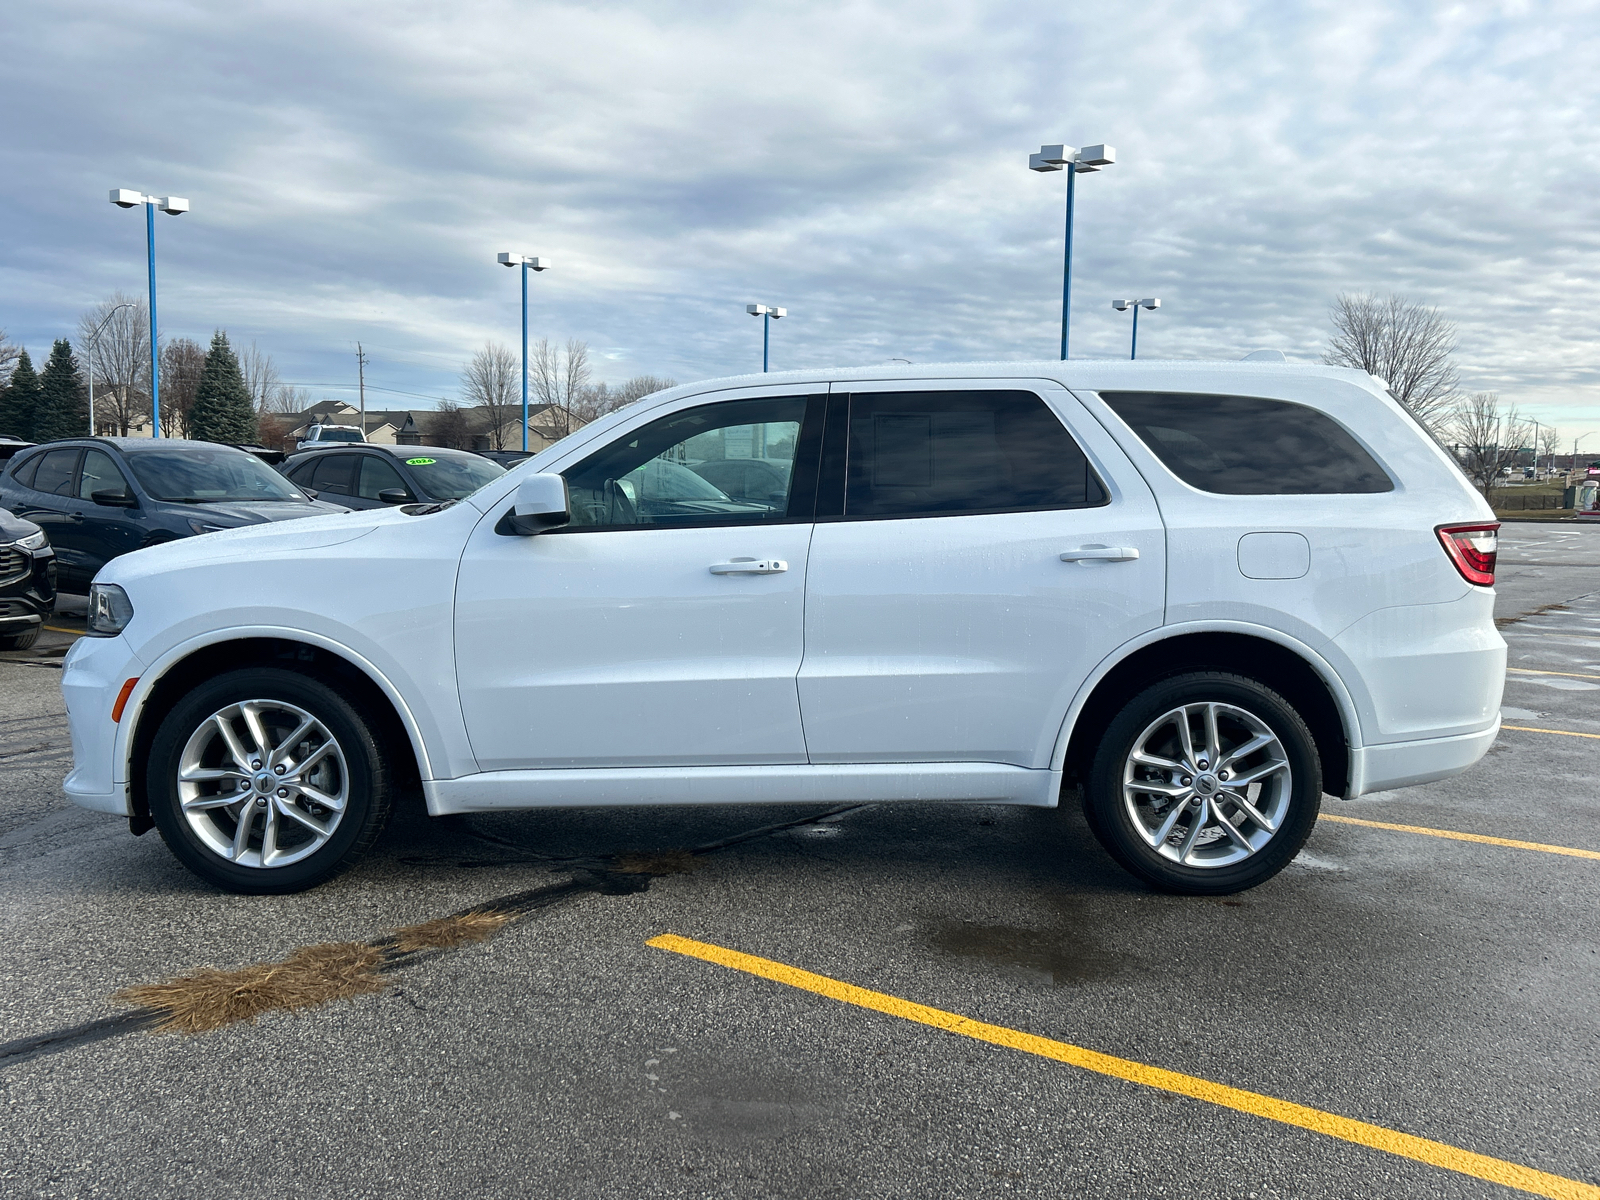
{"x": 767, "y": 315}
{"x": 94, "y": 340}
{"x": 527, "y": 264}
{"x": 1124, "y": 305}
{"x": 172, "y": 206}
{"x": 1059, "y": 158}
{"x": 1575, "y": 442}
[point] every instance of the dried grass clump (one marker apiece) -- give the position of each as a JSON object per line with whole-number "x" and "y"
{"x": 449, "y": 931}
{"x": 312, "y": 975}
{"x": 659, "y": 862}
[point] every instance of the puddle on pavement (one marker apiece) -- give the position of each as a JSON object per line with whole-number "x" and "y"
{"x": 1059, "y": 956}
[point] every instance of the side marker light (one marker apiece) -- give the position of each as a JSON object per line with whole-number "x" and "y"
{"x": 122, "y": 700}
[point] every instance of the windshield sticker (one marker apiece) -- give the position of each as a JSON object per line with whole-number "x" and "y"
{"x": 421, "y": 462}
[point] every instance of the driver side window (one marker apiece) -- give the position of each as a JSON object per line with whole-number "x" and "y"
{"x": 724, "y": 463}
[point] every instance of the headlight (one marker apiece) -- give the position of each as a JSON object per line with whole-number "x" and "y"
{"x": 110, "y": 610}
{"x": 34, "y": 541}
{"x": 206, "y": 526}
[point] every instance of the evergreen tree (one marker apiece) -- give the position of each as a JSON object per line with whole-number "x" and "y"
{"x": 222, "y": 411}
{"x": 20, "y": 400}
{"x": 63, "y": 409}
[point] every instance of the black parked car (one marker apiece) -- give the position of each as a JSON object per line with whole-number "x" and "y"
{"x": 27, "y": 581}
{"x": 101, "y": 497}
{"x": 370, "y": 476}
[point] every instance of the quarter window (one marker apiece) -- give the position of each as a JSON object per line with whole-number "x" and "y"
{"x": 946, "y": 453}
{"x": 726, "y": 463}
{"x": 1248, "y": 445}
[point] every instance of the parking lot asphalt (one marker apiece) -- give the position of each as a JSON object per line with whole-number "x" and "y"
{"x": 1422, "y": 985}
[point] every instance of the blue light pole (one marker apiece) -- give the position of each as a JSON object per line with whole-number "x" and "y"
{"x": 527, "y": 264}
{"x": 767, "y": 315}
{"x": 1152, "y": 303}
{"x": 172, "y": 206}
{"x": 1057, "y": 158}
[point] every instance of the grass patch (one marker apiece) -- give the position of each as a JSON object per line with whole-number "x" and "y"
{"x": 658, "y": 862}
{"x": 449, "y": 931}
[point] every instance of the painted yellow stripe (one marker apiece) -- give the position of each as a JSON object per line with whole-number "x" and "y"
{"x": 1562, "y": 732}
{"x": 1465, "y": 837}
{"x": 1438, "y": 1154}
{"x": 58, "y": 629}
{"x": 1563, "y": 674}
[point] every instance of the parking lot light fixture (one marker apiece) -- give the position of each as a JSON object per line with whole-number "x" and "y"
{"x": 1075, "y": 162}
{"x": 173, "y": 206}
{"x": 1150, "y": 302}
{"x": 527, "y": 263}
{"x": 767, "y": 314}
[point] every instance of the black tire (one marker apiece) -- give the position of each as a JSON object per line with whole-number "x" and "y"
{"x": 356, "y": 765}
{"x": 1128, "y": 836}
{"x": 19, "y": 641}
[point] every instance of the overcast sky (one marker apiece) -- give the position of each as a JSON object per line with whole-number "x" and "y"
{"x": 354, "y": 168}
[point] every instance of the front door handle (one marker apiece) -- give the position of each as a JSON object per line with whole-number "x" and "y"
{"x": 750, "y": 566}
{"x": 1101, "y": 554}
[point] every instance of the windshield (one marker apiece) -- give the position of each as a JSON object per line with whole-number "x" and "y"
{"x": 197, "y": 472}
{"x": 337, "y": 435}
{"x": 447, "y": 475}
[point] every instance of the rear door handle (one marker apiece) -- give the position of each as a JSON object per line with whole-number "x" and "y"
{"x": 750, "y": 566}
{"x": 1101, "y": 554}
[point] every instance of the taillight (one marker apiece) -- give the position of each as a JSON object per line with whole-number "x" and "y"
{"x": 1472, "y": 548}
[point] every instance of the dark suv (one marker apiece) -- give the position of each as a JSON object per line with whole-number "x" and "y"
{"x": 370, "y": 476}
{"x": 97, "y": 498}
{"x": 27, "y": 581}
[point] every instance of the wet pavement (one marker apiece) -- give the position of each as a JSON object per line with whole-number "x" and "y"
{"x": 1425, "y": 985}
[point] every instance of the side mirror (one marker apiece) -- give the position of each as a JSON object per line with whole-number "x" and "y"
{"x": 540, "y": 504}
{"x": 395, "y": 496}
{"x": 115, "y": 499}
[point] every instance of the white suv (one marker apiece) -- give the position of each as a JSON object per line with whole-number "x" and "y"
{"x": 1203, "y": 593}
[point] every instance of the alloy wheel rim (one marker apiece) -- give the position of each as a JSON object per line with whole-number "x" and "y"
{"x": 263, "y": 783}
{"x": 1207, "y": 785}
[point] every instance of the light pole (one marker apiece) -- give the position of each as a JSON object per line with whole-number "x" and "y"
{"x": 172, "y": 206}
{"x": 1575, "y": 442}
{"x": 767, "y": 315}
{"x": 527, "y": 264}
{"x": 94, "y": 340}
{"x": 1058, "y": 158}
{"x": 1152, "y": 303}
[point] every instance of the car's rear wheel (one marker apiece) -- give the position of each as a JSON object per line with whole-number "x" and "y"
{"x": 267, "y": 781}
{"x": 1205, "y": 784}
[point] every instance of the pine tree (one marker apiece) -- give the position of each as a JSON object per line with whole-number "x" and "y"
{"x": 222, "y": 411}
{"x": 63, "y": 409}
{"x": 20, "y": 400}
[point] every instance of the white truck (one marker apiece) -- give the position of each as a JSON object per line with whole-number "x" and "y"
{"x": 323, "y": 435}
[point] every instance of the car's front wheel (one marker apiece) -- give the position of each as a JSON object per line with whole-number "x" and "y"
{"x": 267, "y": 781}
{"x": 1206, "y": 784}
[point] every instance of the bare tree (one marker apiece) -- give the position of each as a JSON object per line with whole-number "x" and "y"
{"x": 183, "y": 360}
{"x": 260, "y": 376}
{"x": 448, "y": 428}
{"x": 560, "y": 377}
{"x": 490, "y": 382}
{"x": 1488, "y": 437}
{"x": 9, "y": 353}
{"x": 119, "y": 329}
{"x": 286, "y": 400}
{"x": 599, "y": 399}
{"x": 1407, "y": 345}
{"x": 1549, "y": 444}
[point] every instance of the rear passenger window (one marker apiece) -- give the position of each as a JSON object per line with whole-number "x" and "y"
{"x": 333, "y": 474}
{"x": 945, "y": 453}
{"x": 54, "y": 475}
{"x": 1249, "y": 446}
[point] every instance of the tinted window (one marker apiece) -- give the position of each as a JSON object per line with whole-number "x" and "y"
{"x": 99, "y": 474}
{"x": 55, "y": 472}
{"x": 23, "y": 471}
{"x": 334, "y": 472}
{"x": 195, "y": 471}
{"x": 301, "y": 472}
{"x": 451, "y": 474}
{"x": 376, "y": 475}
{"x": 1249, "y": 446}
{"x": 668, "y": 473}
{"x": 941, "y": 453}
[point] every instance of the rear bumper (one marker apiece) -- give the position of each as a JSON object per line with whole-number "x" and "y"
{"x": 1401, "y": 764}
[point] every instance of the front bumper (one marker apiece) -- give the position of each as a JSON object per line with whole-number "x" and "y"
{"x": 28, "y": 590}
{"x": 91, "y": 676}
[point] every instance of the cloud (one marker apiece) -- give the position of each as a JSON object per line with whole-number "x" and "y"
{"x": 354, "y": 168}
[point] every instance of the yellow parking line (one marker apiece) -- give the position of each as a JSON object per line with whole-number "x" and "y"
{"x": 1563, "y": 674}
{"x": 58, "y": 629}
{"x": 1562, "y": 732}
{"x": 1465, "y": 837}
{"x": 1438, "y": 1154}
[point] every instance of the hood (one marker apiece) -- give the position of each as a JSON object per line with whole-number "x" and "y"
{"x": 14, "y": 527}
{"x": 252, "y": 512}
